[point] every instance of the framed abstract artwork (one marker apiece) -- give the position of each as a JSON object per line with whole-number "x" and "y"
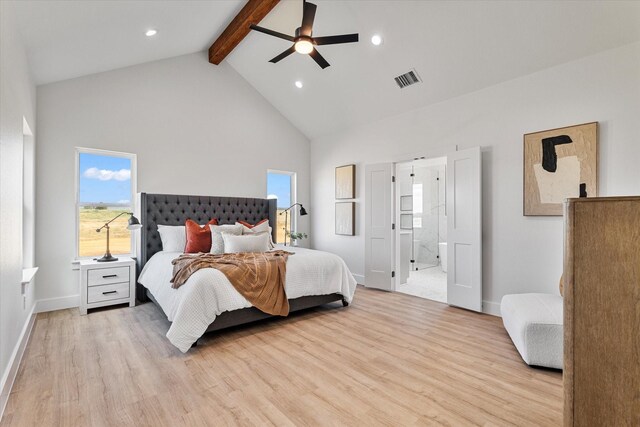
{"x": 345, "y": 218}
{"x": 346, "y": 182}
{"x": 559, "y": 164}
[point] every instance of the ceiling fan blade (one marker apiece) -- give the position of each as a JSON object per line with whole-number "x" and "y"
{"x": 284, "y": 54}
{"x": 272, "y": 33}
{"x": 319, "y": 59}
{"x": 308, "y": 15}
{"x": 346, "y": 38}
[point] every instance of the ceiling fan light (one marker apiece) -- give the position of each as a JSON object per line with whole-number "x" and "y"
{"x": 304, "y": 46}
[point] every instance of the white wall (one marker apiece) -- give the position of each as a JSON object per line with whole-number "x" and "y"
{"x": 196, "y": 129}
{"x": 520, "y": 254}
{"x": 17, "y": 101}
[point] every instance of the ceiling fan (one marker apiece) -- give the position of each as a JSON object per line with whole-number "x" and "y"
{"x": 303, "y": 42}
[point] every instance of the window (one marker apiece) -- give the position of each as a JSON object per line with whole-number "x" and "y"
{"x": 28, "y": 195}
{"x": 281, "y": 185}
{"x": 105, "y": 185}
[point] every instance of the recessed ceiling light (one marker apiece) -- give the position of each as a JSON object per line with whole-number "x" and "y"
{"x": 376, "y": 40}
{"x": 151, "y": 33}
{"x": 298, "y": 84}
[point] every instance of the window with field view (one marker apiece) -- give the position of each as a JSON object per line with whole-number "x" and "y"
{"x": 281, "y": 186}
{"x": 106, "y": 187}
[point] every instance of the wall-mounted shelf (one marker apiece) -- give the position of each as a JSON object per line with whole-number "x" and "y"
{"x": 28, "y": 274}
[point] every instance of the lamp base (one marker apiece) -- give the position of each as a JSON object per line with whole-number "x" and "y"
{"x": 107, "y": 258}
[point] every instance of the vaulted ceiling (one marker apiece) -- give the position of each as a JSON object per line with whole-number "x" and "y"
{"x": 456, "y": 47}
{"x": 67, "y": 39}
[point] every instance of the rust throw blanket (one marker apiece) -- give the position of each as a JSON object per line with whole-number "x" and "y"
{"x": 259, "y": 277}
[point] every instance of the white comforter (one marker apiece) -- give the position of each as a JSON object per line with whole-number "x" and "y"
{"x": 194, "y": 306}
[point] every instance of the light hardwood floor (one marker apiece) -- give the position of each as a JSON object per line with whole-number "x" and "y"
{"x": 388, "y": 359}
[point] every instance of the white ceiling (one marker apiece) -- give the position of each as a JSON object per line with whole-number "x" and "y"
{"x": 67, "y": 39}
{"x": 456, "y": 47}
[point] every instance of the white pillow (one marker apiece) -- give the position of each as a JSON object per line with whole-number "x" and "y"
{"x": 173, "y": 237}
{"x": 217, "y": 244}
{"x": 259, "y": 229}
{"x": 237, "y": 244}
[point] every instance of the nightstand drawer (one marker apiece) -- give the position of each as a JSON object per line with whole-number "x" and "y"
{"x": 105, "y": 276}
{"x": 107, "y": 292}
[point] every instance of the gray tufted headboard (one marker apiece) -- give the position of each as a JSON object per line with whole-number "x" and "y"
{"x": 170, "y": 209}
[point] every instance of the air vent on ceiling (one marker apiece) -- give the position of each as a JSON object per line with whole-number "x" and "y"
{"x": 407, "y": 79}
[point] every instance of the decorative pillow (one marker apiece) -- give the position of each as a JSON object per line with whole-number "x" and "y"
{"x": 261, "y": 227}
{"x": 198, "y": 236}
{"x": 250, "y": 226}
{"x": 238, "y": 244}
{"x": 173, "y": 237}
{"x": 217, "y": 244}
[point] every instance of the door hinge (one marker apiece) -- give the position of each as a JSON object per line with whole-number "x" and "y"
{"x": 412, "y": 261}
{"x": 393, "y": 274}
{"x": 393, "y": 226}
{"x": 393, "y": 179}
{"x": 413, "y": 174}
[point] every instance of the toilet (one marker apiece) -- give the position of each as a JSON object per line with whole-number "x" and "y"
{"x": 442, "y": 246}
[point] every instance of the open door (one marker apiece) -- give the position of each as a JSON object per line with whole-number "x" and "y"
{"x": 379, "y": 228}
{"x": 464, "y": 229}
{"x": 404, "y": 222}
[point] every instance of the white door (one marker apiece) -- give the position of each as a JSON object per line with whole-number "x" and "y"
{"x": 378, "y": 230}
{"x": 404, "y": 221}
{"x": 464, "y": 229}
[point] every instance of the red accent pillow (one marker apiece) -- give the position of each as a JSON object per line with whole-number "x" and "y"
{"x": 246, "y": 224}
{"x": 198, "y": 238}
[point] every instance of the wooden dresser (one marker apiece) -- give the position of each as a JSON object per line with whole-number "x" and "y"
{"x": 602, "y": 312}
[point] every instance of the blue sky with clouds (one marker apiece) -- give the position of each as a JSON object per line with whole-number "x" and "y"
{"x": 279, "y": 185}
{"x": 104, "y": 179}
{"x": 107, "y": 179}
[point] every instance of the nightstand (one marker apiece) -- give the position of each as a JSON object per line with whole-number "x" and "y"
{"x": 107, "y": 283}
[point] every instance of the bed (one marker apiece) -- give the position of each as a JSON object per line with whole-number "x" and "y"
{"x": 207, "y": 301}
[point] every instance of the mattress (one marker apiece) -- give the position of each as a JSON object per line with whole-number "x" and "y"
{"x": 195, "y": 305}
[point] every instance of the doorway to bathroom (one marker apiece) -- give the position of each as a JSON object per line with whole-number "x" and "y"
{"x": 407, "y": 246}
{"x": 421, "y": 230}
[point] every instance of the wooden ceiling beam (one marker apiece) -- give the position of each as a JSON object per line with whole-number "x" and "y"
{"x": 237, "y": 30}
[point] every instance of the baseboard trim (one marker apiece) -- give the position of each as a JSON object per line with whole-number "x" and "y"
{"x": 492, "y": 308}
{"x": 11, "y": 372}
{"x": 60, "y": 303}
{"x": 359, "y": 278}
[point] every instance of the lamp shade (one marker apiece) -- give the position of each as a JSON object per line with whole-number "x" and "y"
{"x": 303, "y": 211}
{"x": 134, "y": 223}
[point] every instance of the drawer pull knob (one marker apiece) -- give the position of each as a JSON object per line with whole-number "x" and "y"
{"x": 109, "y": 292}
{"x": 108, "y": 276}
